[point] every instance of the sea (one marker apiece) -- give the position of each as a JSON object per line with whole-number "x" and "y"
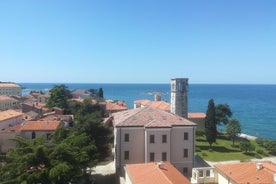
{"x": 254, "y": 106}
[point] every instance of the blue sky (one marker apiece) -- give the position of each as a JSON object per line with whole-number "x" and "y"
{"x": 138, "y": 41}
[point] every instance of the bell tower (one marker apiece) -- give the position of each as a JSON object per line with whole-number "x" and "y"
{"x": 179, "y": 97}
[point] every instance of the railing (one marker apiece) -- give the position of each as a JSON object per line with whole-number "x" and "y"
{"x": 203, "y": 175}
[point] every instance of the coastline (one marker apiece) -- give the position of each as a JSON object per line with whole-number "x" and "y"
{"x": 246, "y": 136}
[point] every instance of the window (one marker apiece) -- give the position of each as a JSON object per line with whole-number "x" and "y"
{"x": 164, "y": 156}
{"x": 126, "y": 137}
{"x": 186, "y": 135}
{"x": 208, "y": 173}
{"x": 185, "y": 153}
{"x": 185, "y": 170}
{"x": 48, "y": 136}
{"x": 164, "y": 138}
{"x": 33, "y": 135}
{"x": 200, "y": 173}
{"x": 126, "y": 155}
{"x": 151, "y": 138}
{"x": 151, "y": 157}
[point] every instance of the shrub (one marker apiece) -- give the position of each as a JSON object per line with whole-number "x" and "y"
{"x": 260, "y": 151}
{"x": 260, "y": 141}
{"x": 247, "y": 147}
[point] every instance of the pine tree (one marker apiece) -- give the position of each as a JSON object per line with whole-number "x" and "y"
{"x": 210, "y": 123}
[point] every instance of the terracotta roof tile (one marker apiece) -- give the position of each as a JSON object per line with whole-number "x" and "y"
{"x": 114, "y": 106}
{"x": 248, "y": 173}
{"x": 149, "y": 173}
{"x": 40, "y": 126}
{"x": 5, "y": 97}
{"x": 196, "y": 115}
{"x": 157, "y": 104}
{"x": 8, "y": 114}
{"x": 149, "y": 117}
{"x": 9, "y": 85}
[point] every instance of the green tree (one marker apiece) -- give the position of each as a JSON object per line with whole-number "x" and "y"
{"x": 246, "y": 146}
{"x": 233, "y": 128}
{"x": 28, "y": 162}
{"x": 223, "y": 113}
{"x": 59, "y": 96}
{"x": 100, "y": 93}
{"x": 210, "y": 123}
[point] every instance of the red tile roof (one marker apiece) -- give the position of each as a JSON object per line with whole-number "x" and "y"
{"x": 149, "y": 117}
{"x": 157, "y": 104}
{"x": 40, "y": 126}
{"x": 8, "y": 114}
{"x": 167, "y": 107}
{"x": 9, "y": 85}
{"x": 115, "y": 106}
{"x": 192, "y": 115}
{"x": 149, "y": 173}
{"x": 248, "y": 173}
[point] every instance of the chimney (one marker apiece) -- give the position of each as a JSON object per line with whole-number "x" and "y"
{"x": 160, "y": 165}
{"x": 157, "y": 97}
{"x": 259, "y": 166}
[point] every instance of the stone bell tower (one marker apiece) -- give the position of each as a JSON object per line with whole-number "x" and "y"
{"x": 179, "y": 97}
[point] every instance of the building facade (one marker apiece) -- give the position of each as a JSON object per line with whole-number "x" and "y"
{"x": 9, "y": 118}
{"x": 7, "y": 102}
{"x": 10, "y": 89}
{"x": 149, "y": 134}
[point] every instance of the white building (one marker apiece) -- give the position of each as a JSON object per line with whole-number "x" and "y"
{"x": 10, "y": 89}
{"x": 7, "y": 102}
{"x": 149, "y": 134}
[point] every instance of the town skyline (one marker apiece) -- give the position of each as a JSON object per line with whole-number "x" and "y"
{"x": 214, "y": 42}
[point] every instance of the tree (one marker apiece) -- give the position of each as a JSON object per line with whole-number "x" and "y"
{"x": 233, "y": 128}
{"x": 100, "y": 93}
{"x": 210, "y": 123}
{"x": 59, "y": 96}
{"x": 223, "y": 113}
{"x": 28, "y": 162}
{"x": 246, "y": 146}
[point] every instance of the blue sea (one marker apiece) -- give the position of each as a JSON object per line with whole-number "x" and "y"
{"x": 253, "y": 105}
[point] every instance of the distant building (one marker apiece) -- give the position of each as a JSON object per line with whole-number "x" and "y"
{"x": 9, "y": 118}
{"x": 153, "y": 172}
{"x": 7, "y": 102}
{"x": 114, "y": 106}
{"x": 33, "y": 129}
{"x": 10, "y": 89}
{"x": 28, "y": 130}
{"x": 41, "y": 98}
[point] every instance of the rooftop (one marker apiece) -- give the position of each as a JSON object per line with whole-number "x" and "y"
{"x": 115, "y": 106}
{"x": 8, "y": 114}
{"x": 149, "y": 117}
{"x": 40, "y": 126}
{"x": 5, "y": 97}
{"x": 149, "y": 173}
{"x": 249, "y": 172}
{"x": 157, "y": 104}
{"x": 9, "y": 85}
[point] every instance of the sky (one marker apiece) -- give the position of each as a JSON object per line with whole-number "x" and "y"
{"x": 138, "y": 41}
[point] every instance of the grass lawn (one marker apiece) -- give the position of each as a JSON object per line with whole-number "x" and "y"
{"x": 223, "y": 150}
